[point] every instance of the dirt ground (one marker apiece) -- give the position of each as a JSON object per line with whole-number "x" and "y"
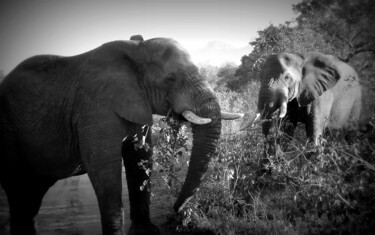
{"x": 70, "y": 207}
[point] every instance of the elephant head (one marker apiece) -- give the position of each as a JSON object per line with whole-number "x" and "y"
{"x": 286, "y": 76}
{"x": 138, "y": 78}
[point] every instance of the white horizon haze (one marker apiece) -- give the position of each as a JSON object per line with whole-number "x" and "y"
{"x": 71, "y": 27}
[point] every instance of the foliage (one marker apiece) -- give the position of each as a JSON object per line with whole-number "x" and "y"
{"x": 339, "y": 27}
{"x": 324, "y": 190}
{"x": 209, "y": 72}
{"x": 226, "y": 77}
{"x": 331, "y": 185}
{"x": 346, "y": 24}
{"x": 308, "y": 190}
{"x": 245, "y": 70}
{"x": 274, "y": 40}
{"x": 1, "y": 75}
{"x": 171, "y": 148}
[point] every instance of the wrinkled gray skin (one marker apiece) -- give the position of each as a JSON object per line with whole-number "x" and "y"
{"x": 316, "y": 89}
{"x": 65, "y": 116}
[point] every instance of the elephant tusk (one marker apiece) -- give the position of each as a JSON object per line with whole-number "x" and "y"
{"x": 283, "y": 109}
{"x": 251, "y": 121}
{"x": 231, "y": 116}
{"x": 191, "y": 117}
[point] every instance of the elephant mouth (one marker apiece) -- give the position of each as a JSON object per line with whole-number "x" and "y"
{"x": 273, "y": 109}
{"x": 262, "y": 117}
{"x": 269, "y": 115}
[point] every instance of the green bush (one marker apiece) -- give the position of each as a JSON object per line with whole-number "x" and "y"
{"x": 311, "y": 190}
{"x": 170, "y": 153}
{"x": 325, "y": 190}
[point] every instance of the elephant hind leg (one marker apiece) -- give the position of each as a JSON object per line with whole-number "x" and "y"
{"x": 25, "y": 196}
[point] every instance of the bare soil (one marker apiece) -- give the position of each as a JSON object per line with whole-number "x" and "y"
{"x": 70, "y": 207}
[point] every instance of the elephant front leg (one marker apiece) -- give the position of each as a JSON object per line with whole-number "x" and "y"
{"x": 102, "y": 161}
{"x": 287, "y": 132}
{"x": 106, "y": 180}
{"x": 137, "y": 160}
{"x": 279, "y": 134}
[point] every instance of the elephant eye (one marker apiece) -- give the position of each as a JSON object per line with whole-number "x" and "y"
{"x": 287, "y": 79}
{"x": 303, "y": 72}
{"x": 170, "y": 80}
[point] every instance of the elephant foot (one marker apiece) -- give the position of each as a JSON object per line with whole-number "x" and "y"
{"x": 143, "y": 229}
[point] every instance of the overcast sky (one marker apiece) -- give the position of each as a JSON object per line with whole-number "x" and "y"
{"x": 69, "y": 27}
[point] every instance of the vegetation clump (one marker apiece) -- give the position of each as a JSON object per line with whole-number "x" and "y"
{"x": 309, "y": 190}
{"x": 327, "y": 189}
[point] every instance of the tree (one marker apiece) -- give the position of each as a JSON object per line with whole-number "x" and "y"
{"x": 1, "y": 75}
{"x": 345, "y": 24}
{"x": 246, "y": 70}
{"x": 209, "y": 72}
{"x": 301, "y": 39}
{"x": 339, "y": 27}
{"x": 226, "y": 77}
{"x": 284, "y": 38}
{"x": 267, "y": 43}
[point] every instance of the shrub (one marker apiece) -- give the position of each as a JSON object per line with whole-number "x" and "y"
{"x": 312, "y": 190}
{"x": 171, "y": 150}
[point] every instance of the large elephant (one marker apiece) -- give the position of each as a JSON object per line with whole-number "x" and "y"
{"x": 316, "y": 89}
{"x": 65, "y": 116}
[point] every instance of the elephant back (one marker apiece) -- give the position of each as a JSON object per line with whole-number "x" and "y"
{"x": 37, "y": 101}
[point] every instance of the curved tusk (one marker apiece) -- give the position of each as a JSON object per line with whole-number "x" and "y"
{"x": 191, "y": 117}
{"x": 231, "y": 116}
{"x": 251, "y": 121}
{"x": 283, "y": 109}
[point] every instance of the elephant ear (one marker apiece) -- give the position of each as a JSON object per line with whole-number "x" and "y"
{"x": 319, "y": 73}
{"x": 110, "y": 77}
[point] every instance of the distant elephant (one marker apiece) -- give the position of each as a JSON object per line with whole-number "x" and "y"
{"x": 66, "y": 116}
{"x": 316, "y": 89}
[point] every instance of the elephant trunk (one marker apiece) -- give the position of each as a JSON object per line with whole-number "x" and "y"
{"x": 272, "y": 99}
{"x": 205, "y": 139}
